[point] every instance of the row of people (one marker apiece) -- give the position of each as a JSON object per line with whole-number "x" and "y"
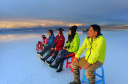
{"x": 94, "y": 44}
{"x": 57, "y": 49}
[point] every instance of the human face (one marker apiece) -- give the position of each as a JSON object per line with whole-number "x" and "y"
{"x": 49, "y": 33}
{"x": 58, "y": 32}
{"x": 70, "y": 32}
{"x": 92, "y": 33}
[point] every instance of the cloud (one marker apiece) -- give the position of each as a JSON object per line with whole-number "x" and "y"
{"x": 78, "y": 11}
{"x": 21, "y": 23}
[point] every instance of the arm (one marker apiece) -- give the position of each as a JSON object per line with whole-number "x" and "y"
{"x": 44, "y": 41}
{"x": 82, "y": 48}
{"x": 51, "y": 40}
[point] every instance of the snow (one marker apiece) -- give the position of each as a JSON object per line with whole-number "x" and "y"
{"x": 19, "y": 63}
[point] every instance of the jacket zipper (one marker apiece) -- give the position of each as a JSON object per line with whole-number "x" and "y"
{"x": 90, "y": 48}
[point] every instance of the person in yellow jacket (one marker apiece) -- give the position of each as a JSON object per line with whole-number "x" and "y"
{"x": 95, "y": 46}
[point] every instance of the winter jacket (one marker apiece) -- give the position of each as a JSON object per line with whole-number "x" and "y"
{"x": 95, "y": 51}
{"x": 59, "y": 42}
{"x": 74, "y": 45}
{"x": 44, "y": 41}
{"x": 51, "y": 40}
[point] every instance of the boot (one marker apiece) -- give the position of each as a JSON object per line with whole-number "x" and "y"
{"x": 43, "y": 59}
{"x": 92, "y": 80}
{"x": 61, "y": 68}
{"x": 56, "y": 64}
{"x": 39, "y": 54}
{"x": 74, "y": 83}
{"x": 50, "y": 62}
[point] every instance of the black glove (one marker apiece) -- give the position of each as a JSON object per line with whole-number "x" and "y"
{"x": 39, "y": 42}
{"x": 67, "y": 47}
{"x": 54, "y": 45}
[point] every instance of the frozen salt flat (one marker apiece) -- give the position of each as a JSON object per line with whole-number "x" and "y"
{"x": 19, "y": 63}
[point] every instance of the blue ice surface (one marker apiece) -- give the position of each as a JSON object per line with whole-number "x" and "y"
{"x": 19, "y": 63}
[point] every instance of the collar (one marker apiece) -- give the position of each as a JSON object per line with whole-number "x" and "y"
{"x": 96, "y": 36}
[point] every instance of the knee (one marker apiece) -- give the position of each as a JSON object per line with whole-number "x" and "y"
{"x": 60, "y": 52}
{"x": 74, "y": 65}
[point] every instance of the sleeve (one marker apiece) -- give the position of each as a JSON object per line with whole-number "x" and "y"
{"x": 82, "y": 48}
{"x": 99, "y": 48}
{"x": 67, "y": 43}
{"x": 44, "y": 41}
{"x": 51, "y": 40}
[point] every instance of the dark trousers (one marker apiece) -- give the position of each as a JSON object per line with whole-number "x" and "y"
{"x": 44, "y": 50}
{"x": 50, "y": 53}
{"x": 61, "y": 55}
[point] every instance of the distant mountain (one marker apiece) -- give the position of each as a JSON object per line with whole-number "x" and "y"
{"x": 30, "y": 29}
{"x": 84, "y": 27}
{"x": 38, "y": 28}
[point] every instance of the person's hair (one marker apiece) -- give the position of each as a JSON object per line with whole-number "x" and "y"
{"x": 60, "y": 31}
{"x": 96, "y": 28}
{"x": 73, "y": 32}
{"x": 43, "y": 36}
{"x": 51, "y": 31}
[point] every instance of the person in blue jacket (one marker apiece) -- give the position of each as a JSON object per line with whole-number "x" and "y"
{"x": 49, "y": 43}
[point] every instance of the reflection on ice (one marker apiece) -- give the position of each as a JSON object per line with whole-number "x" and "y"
{"x": 14, "y": 37}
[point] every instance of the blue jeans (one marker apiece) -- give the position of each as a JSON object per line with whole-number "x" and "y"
{"x": 61, "y": 55}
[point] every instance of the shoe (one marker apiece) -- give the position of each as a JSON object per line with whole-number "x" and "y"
{"x": 55, "y": 66}
{"x": 48, "y": 62}
{"x": 74, "y": 83}
{"x": 42, "y": 59}
{"x": 39, "y": 54}
{"x": 59, "y": 70}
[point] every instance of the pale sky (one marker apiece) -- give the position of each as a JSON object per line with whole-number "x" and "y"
{"x": 105, "y": 12}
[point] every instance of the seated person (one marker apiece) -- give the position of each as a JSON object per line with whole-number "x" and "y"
{"x": 42, "y": 44}
{"x": 72, "y": 46}
{"x": 49, "y": 43}
{"x": 58, "y": 44}
{"x": 95, "y": 44}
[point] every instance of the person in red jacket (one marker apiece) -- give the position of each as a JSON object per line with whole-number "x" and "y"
{"x": 58, "y": 45}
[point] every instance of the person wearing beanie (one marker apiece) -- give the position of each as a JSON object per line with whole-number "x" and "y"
{"x": 41, "y": 44}
{"x": 49, "y": 43}
{"x": 72, "y": 46}
{"x": 58, "y": 45}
